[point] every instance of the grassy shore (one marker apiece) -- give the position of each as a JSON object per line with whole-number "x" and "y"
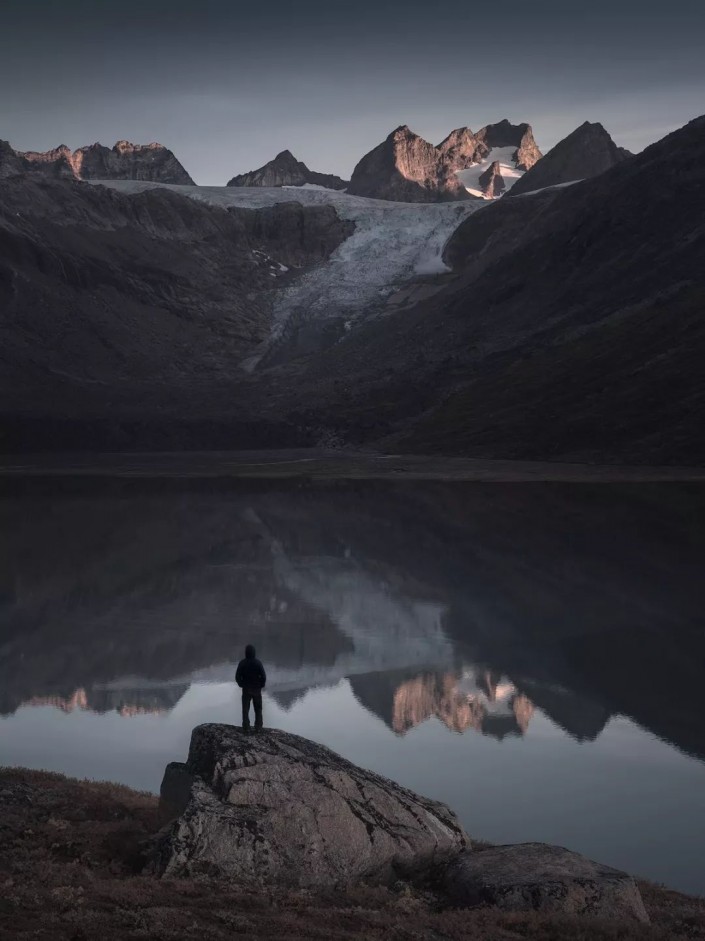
{"x": 70, "y": 860}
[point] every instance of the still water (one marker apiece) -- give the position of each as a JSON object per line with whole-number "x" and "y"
{"x": 531, "y": 654}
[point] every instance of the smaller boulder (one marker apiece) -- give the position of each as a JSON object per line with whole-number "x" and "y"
{"x": 540, "y": 877}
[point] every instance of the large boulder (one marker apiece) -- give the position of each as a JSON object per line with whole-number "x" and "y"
{"x": 275, "y": 808}
{"x": 536, "y": 876}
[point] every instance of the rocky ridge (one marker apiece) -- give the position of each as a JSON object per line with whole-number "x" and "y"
{"x": 405, "y": 167}
{"x": 286, "y": 170}
{"x": 124, "y": 161}
{"x": 586, "y": 152}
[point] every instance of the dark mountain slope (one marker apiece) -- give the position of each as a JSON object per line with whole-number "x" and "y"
{"x": 117, "y": 308}
{"x": 585, "y": 153}
{"x": 574, "y": 327}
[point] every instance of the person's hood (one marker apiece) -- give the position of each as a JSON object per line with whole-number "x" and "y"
{"x": 250, "y": 652}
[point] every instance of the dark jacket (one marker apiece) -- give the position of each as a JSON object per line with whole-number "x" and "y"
{"x": 250, "y": 674}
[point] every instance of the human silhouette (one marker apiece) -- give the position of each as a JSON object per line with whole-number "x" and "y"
{"x": 251, "y": 679}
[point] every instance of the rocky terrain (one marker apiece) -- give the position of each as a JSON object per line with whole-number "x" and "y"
{"x": 585, "y": 153}
{"x": 569, "y": 329}
{"x": 276, "y": 809}
{"x": 124, "y": 161}
{"x": 286, "y": 170}
{"x": 559, "y": 326}
{"x": 405, "y": 167}
{"x": 70, "y": 860}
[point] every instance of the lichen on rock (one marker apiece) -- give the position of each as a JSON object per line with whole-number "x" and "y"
{"x": 276, "y": 808}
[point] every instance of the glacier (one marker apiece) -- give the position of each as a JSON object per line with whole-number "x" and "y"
{"x": 392, "y": 244}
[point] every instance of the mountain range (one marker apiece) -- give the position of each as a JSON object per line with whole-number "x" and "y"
{"x": 124, "y": 161}
{"x": 404, "y": 167}
{"x": 561, "y": 324}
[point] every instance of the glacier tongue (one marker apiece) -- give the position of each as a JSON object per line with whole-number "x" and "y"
{"x": 392, "y": 243}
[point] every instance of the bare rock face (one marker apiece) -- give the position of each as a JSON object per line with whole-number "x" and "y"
{"x": 125, "y": 161}
{"x": 492, "y": 181}
{"x": 286, "y": 170}
{"x": 505, "y": 134}
{"x": 585, "y": 153}
{"x": 405, "y": 168}
{"x": 294, "y": 234}
{"x": 408, "y": 168}
{"x": 549, "y": 879}
{"x": 276, "y": 808}
{"x": 11, "y": 163}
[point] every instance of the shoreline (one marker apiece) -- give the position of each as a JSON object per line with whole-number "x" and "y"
{"x": 317, "y": 464}
{"x": 70, "y": 862}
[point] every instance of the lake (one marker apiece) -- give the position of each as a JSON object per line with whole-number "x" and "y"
{"x": 533, "y": 654}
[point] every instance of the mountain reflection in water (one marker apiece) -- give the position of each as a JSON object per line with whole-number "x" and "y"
{"x": 484, "y": 607}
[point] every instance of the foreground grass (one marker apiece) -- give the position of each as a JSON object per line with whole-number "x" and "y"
{"x": 70, "y": 859}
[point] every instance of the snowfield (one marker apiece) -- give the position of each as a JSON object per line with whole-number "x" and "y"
{"x": 470, "y": 178}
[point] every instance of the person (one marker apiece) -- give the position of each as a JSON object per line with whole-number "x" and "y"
{"x": 251, "y": 679}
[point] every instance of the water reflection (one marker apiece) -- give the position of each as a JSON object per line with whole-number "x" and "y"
{"x": 469, "y": 602}
{"x": 453, "y": 608}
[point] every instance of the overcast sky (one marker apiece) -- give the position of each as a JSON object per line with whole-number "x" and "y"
{"x": 226, "y": 85}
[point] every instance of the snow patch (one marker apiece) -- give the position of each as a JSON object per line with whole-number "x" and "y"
{"x": 308, "y": 186}
{"x": 547, "y": 189}
{"x": 470, "y": 178}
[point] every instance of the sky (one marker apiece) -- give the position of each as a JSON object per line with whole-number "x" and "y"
{"x": 226, "y": 85}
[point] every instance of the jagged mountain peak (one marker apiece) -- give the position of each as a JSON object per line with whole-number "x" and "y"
{"x": 286, "y": 170}
{"x": 127, "y": 147}
{"x": 585, "y": 152}
{"x": 462, "y": 138}
{"x": 406, "y": 167}
{"x": 125, "y": 161}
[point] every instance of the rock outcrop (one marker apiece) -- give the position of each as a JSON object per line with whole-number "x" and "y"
{"x": 504, "y": 134}
{"x": 124, "y": 161}
{"x": 548, "y": 879}
{"x": 586, "y": 152}
{"x": 286, "y": 170}
{"x": 276, "y": 808}
{"x": 492, "y": 181}
{"x": 407, "y": 168}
